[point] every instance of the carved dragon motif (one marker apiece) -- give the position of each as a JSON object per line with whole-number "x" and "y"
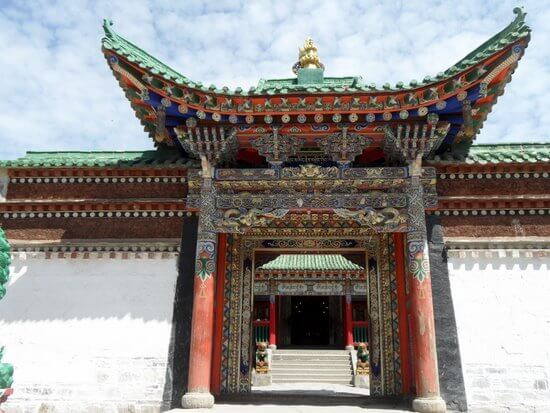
{"x": 238, "y": 220}
{"x": 371, "y": 217}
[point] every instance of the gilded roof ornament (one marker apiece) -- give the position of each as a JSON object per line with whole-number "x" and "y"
{"x": 308, "y": 57}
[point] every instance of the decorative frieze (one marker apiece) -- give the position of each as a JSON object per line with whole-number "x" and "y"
{"x": 97, "y": 250}
{"x": 474, "y": 254}
{"x": 490, "y": 212}
{"x": 493, "y": 175}
{"x": 98, "y": 180}
{"x": 372, "y": 199}
{"x": 96, "y": 214}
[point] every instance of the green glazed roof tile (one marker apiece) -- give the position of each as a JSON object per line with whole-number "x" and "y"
{"x": 515, "y": 31}
{"x": 155, "y": 158}
{"x": 478, "y": 154}
{"x": 318, "y": 262}
{"x": 500, "y": 153}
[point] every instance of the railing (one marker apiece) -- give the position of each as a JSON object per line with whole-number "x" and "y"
{"x": 360, "y": 332}
{"x": 261, "y": 331}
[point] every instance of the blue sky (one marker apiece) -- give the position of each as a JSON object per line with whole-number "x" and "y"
{"x": 60, "y": 95}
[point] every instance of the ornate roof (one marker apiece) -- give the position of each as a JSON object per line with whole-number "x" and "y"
{"x": 306, "y": 262}
{"x": 443, "y": 112}
{"x": 512, "y": 33}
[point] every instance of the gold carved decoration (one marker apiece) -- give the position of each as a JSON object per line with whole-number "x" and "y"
{"x": 373, "y": 218}
{"x": 236, "y": 220}
{"x": 308, "y": 58}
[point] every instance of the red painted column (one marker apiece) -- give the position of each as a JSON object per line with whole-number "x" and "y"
{"x": 426, "y": 374}
{"x": 218, "y": 323}
{"x": 273, "y": 321}
{"x": 348, "y": 321}
{"x": 202, "y": 325}
{"x": 402, "y": 306}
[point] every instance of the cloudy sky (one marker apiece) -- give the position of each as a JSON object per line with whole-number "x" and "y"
{"x": 60, "y": 95}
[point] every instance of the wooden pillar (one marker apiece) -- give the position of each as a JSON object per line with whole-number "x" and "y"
{"x": 426, "y": 376}
{"x": 402, "y": 305}
{"x": 273, "y": 321}
{"x": 200, "y": 354}
{"x": 348, "y": 322}
{"x": 215, "y": 384}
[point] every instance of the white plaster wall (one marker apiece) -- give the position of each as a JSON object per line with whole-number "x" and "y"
{"x": 88, "y": 334}
{"x": 502, "y": 306}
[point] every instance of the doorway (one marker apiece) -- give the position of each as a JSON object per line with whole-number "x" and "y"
{"x": 310, "y": 321}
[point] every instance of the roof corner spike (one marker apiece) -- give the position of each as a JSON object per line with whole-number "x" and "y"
{"x": 107, "y": 27}
{"x": 521, "y": 13}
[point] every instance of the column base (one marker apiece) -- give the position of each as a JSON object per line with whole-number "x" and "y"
{"x": 362, "y": 381}
{"x": 350, "y": 347}
{"x": 272, "y": 347}
{"x": 429, "y": 405}
{"x": 197, "y": 401}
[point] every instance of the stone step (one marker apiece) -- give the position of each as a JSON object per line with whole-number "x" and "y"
{"x": 310, "y": 351}
{"x": 323, "y": 359}
{"x": 283, "y": 380}
{"x": 311, "y": 363}
{"x": 311, "y": 366}
{"x": 316, "y": 372}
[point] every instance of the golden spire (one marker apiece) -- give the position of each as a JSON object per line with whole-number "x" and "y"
{"x": 308, "y": 57}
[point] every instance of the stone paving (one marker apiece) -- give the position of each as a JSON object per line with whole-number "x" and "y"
{"x": 303, "y": 398}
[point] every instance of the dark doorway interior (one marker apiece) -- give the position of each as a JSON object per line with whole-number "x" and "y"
{"x": 310, "y": 321}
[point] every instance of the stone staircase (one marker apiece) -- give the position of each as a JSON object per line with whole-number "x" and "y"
{"x": 311, "y": 366}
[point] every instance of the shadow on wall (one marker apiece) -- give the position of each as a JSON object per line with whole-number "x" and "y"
{"x": 64, "y": 289}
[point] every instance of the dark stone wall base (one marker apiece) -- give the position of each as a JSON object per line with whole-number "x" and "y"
{"x": 451, "y": 379}
{"x": 178, "y": 352}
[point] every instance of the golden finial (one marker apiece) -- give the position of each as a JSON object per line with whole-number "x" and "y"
{"x": 307, "y": 57}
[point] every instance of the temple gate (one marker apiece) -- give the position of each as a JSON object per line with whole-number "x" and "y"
{"x": 316, "y": 159}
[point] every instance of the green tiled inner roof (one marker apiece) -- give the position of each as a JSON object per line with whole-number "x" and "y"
{"x": 159, "y": 158}
{"x": 516, "y": 30}
{"x": 501, "y": 153}
{"x": 315, "y": 262}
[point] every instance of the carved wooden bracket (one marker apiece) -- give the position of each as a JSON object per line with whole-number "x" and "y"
{"x": 216, "y": 144}
{"x": 408, "y": 141}
{"x": 277, "y": 148}
{"x": 344, "y": 146}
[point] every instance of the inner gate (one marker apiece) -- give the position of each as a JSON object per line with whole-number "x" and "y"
{"x": 381, "y": 283}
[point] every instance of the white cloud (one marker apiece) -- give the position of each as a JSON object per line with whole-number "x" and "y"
{"x": 58, "y": 93}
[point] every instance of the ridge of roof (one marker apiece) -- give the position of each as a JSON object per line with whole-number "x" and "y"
{"x": 516, "y": 30}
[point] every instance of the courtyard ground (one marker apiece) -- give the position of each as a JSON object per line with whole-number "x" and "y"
{"x": 304, "y": 398}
